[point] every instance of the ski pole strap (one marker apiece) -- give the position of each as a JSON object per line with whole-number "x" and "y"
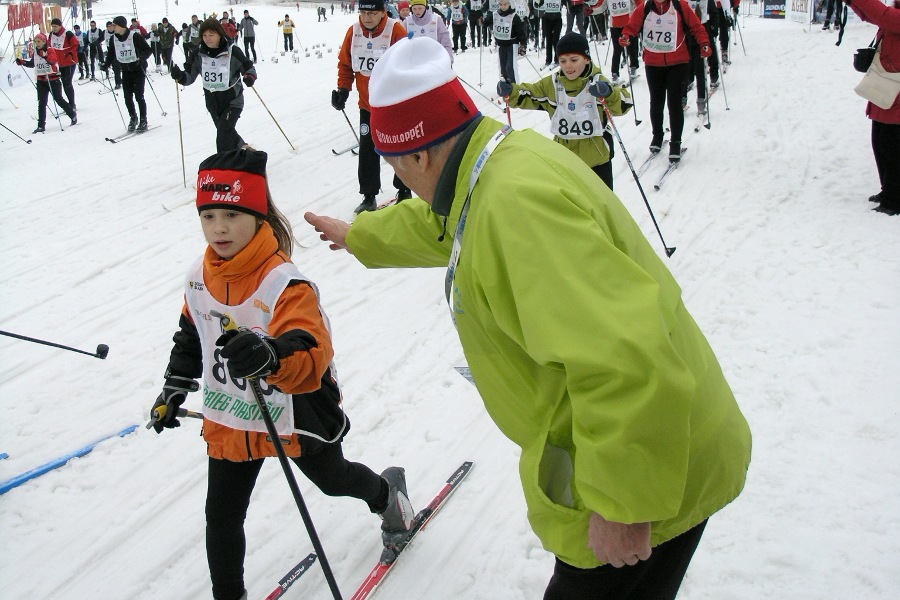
{"x": 461, "y": 226}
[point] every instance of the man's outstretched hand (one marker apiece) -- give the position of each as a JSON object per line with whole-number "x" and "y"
{"x": 330, "y": 230}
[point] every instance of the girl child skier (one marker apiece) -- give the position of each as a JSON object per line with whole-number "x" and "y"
{"x": 284, "y": 340}
{"x": 221, "y": 64}
{"x": 45, "y": 61}
{"x": 571, "y": 98}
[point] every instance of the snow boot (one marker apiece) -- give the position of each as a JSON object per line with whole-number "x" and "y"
{"x": 398, "y": 517}
{"x": 656, "y": 143}
{"x": 132, "y": 124}
{"x": 674, "y": 152}
{"x": 142, "y": 126}
{"x": 368, "y": 203}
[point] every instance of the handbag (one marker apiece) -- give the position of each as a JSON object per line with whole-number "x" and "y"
{"x": 879, "y": 87}
{"x": 862, "y": 60}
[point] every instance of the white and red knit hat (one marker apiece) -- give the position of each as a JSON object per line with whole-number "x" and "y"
{"x": 417, "y": 100}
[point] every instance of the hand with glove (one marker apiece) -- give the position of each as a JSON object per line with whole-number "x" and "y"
{"x": 522, "y": 50}
{"x": 176, "y": 73}
{"x": 174, "y": 391}
{"x": 705, "y": 51}
{"x": 249, "y": 79}
{"x": 624, "y": 40}
{"x": 599, "y": 87}
{"x": 248, "y": 354}
{"x": 504, "y": 88}
{"x": 339, "y": 98}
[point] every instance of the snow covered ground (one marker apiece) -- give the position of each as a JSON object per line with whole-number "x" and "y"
{"x": 792, "y": 277}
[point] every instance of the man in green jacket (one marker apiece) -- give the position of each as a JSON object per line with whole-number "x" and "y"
{"x": 573, "y": 328}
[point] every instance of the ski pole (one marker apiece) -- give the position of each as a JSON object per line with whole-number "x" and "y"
{"x": 180, "y": 133}
{"x": 273, "y": 118}
{"x": 669, "y": 251}
{"x": 102, "y": 349}
{"x": 154, "y": 93}
{"x": 14, "y": 133}
{"x": 353, "y": 129}
{"x": 297, "y": 35}
{"x": 56, "y": 106}
{"x": 227, "y": 324}
{"x": 477, "y": 91}
{"x": 633, "y": 105}
{"x": 107, "y": 83}
{"x": 159, "y": 413}
{"x": 722, "y": 79}
{"x": 480, "y": 49}
{"x": 532, "y": 66}
{"x": 741, "y": 35}
{"x": 8, "y": 98}
{"x": 508, "y": 112}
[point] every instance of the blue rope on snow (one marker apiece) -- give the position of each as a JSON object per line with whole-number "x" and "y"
{"x": 56, "y": 463}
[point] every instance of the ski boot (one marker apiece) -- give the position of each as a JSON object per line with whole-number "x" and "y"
{"x": 674, "y": 152}
{"x": 701, "y": 106}
{"x": 404, "y": 194}
{"x": 632, "y": 72}
{"x": 615, "y": 79}
{"x": 397, "y": 518}
{"x": 132, "y": 124}
{"x": 368, "y": 203}
{"x": 656, "y": 143}
{"x": 74, "y": 120}
{"x": 142, "y": 126}
{"x": 39, "y": 129}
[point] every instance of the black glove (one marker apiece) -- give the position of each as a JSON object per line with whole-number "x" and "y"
{"x": 599, "y": 88}
{"x": 339, "y": 98}
{"x": 248, "y": 354}
{"x": 175, "y": 389}
{"x": 177, "y": 74}
{"x": 504, "y": 88}
{"x": 249, "y": 79}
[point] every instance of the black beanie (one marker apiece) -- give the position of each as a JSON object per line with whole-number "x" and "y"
{"x": 121, "y": 21}
{"x": 573, "y": 43}
{"x": 56, "y": 22}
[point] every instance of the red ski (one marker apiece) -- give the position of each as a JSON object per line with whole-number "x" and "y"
{"x": 381, "y": 570}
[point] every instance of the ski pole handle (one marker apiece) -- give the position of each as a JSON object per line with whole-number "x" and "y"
{"x": 227, "y": 322}
{"x": 159, "y": 413}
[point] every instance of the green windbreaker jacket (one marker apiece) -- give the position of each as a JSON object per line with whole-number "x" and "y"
{"x": 577, "y": 339}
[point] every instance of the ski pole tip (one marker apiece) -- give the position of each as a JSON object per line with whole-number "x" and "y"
{"x": 670, "y": 251}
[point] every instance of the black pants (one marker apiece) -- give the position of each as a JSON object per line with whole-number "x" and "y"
{"x": 667, "y": 85}
{"x": 474, "y": 29}
{"x": 225, "y": 119}
{"x": 830, "y": 10}
{"x": 369, "y": 167}
{"x": 508, "y": 55}
{"x": 133, "y": 89}
{"x": 617, "y": 51}
{"x": 250, "y": 44}
{"x": 886, "y": 147}
{"x": 575, "y": 15}
{"x": 552, "y": 29}
{"x": 65, "y": 76}
{"x": 228, "y": 497}
{"x": 83, "y": 64}
{"x": 459, "y": 36}
{"x": 166, "y": 56}
{"x": 713, "y": 60}
{"x": 96, "y": 54}
{"x": 288, "y": 41}
{"x": 604, "y": 171}
{"x": 697, "y": 71}
{"x": 44, "y": 89}
{"x": 657, "y": 578}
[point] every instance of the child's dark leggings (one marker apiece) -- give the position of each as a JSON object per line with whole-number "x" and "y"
{"x": 228, "y": 496}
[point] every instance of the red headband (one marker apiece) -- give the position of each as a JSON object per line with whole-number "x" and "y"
{"x": 237, "y": 190}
